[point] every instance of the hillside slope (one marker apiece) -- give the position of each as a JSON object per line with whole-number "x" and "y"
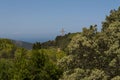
{"x": 23, "y": 44}
{"x": 60, "y": 42}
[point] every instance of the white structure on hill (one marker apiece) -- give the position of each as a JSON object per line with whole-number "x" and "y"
{"x": 62, "y": 32}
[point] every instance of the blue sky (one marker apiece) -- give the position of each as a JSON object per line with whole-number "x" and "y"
{"x": 34, "y": 20}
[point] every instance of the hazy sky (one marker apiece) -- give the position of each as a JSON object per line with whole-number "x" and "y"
{"x": 30, "y": 20}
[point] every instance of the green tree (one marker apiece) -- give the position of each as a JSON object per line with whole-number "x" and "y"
{"x": 5, "y": 66}
{"x": 42, "y": 68}
{"x": 37, "y": 45}
{"x": 7, "y": 48}
{"x": 98, "y": 52}
{"x": 20, "y": 69}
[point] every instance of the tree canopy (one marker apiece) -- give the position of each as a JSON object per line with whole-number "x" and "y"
{"x": 94, "y": 55}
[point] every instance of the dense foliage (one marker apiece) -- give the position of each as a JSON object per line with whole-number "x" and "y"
{"x": 21, "y": 64}
{"x": 60, "y": 42}
{"x": 94, "y": 55}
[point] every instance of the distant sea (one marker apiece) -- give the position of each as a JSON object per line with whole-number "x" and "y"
{"x": 31, "y": 39}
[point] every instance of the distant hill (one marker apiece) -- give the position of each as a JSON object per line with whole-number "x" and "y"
{"x": 60, "y": 42}
{"x": 23, "y": 44}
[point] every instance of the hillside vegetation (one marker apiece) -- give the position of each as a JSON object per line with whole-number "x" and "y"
{"x": 22, "y": 44}
{"x": 60, "y": 42}
{"x": 87, "y": 55}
